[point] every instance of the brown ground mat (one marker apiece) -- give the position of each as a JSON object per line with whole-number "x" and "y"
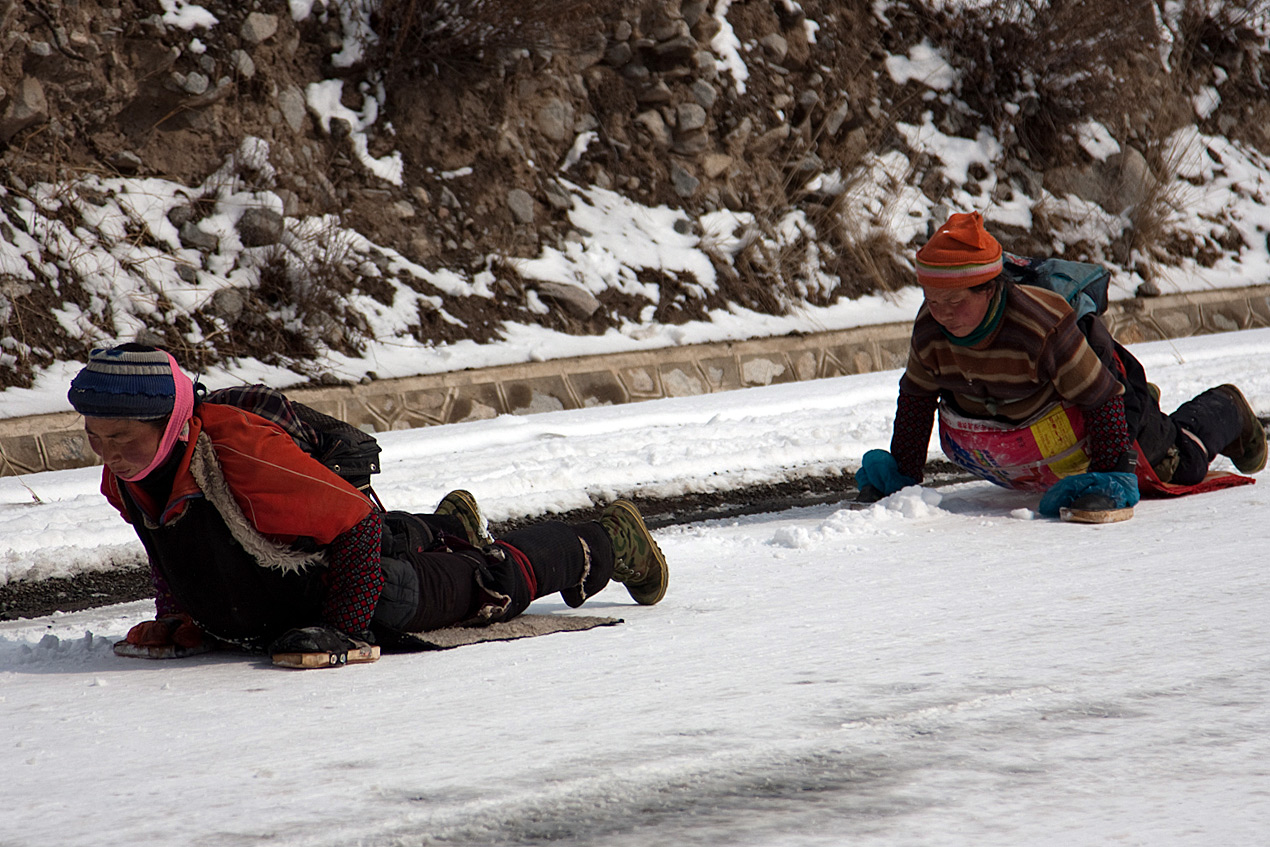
{"x": 525, "y": 626}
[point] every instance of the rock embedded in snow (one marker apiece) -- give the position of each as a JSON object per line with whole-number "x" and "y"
{"x": 125, "y": 161}
{"x": 341, "y": 129}
{"x": 575, "y": 300}
{"x": 1123, "y": 180}
{"x": 192, "y": 235}
{"x": 260, "y": 227}
{"x": 149, "y": 337}
{"x": 557, "y": 197}
{"x": 228, "y": 304}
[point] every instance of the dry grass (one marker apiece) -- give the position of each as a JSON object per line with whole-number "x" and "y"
{"x": 1207, "y": 35}
{"x": 300, "y": 303}
{"x": 1142, "y": 248}
{"x": 1034, "y": 68}
{"x": 1207, "y": 29}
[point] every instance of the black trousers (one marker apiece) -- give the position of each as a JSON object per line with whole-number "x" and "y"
{"x": 436, "y": 580}
{"x": 1213, "y": 419}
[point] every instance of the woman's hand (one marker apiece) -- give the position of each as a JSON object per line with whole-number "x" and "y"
{"x": 1120, "y": 488}
{"x": 879, "y": 471}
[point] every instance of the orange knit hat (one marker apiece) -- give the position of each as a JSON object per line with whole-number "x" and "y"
{"x": 961, "y": 254}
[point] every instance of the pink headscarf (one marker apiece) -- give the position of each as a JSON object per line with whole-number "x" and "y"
{"x": 178, "y": 428}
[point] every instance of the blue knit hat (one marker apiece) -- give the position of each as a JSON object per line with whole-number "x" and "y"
{"x": 130, "y": 381}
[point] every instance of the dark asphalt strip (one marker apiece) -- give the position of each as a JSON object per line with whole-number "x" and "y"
{"x": 30, "y": 599}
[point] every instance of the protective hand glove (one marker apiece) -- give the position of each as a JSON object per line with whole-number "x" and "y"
{"x": 879, "y": 471}
{"x": 317, "y": 639}
{"x": 169, "y": 629}
{"x": 1120, "y": 488}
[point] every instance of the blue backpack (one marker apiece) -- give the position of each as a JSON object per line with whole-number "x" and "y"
{"x": 1084, "y": 284}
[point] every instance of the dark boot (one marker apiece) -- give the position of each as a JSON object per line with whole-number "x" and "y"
{"x": 1221, "y": 420}
{"x": 1248, "y": 450}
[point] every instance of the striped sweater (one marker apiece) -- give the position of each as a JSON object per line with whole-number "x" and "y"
{"x": 1037, "y": 356}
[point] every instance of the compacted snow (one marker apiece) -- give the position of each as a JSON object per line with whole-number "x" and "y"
{"x": 945, "y": 668}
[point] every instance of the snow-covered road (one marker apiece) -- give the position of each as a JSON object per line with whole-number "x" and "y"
{"x": 942, "y": 669}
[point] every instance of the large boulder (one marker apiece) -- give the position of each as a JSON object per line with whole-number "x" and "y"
{"x": 26, "y": 107}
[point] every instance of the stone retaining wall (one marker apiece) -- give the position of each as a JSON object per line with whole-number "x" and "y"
{"x": 55, "y": 442}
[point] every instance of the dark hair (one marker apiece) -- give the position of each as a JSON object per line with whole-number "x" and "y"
{"x": 988, "y": 287}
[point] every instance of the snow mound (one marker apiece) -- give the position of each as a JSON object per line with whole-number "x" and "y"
{"x": 54, "y": 650}
{"x": 913, "y": 503}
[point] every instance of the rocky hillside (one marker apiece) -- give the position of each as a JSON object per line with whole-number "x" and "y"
{"x": 294, "y": 181}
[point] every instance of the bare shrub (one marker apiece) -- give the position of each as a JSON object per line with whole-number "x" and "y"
{"x": 34, "y": 338}
{"x": 1151, "y": 219}
{"x": 1034, "y": 68}
{"x": 301, "y": 298}
{"x": 1210, "y": 42}
{"x": 1205, "y": 32}
{"x": 866, "y": 262}
{"x": 436, "y": 37}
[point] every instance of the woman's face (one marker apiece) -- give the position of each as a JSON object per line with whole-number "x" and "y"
{"x": 125, "y": 446}
{"x": 958, "y": 310}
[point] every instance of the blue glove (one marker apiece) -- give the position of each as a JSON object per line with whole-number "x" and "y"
{"x": 1122, "y": 488}
{"x": 878, "y": 469}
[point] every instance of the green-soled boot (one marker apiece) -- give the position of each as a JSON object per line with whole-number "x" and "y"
{"x": 638, "y": 562}
{"x": 462, "y": 505}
